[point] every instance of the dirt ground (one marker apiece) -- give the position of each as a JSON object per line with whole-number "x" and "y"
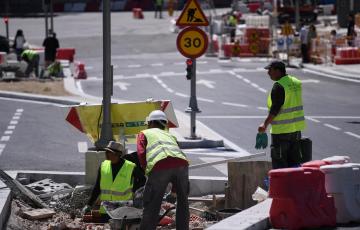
{"x": 45, "y": 87}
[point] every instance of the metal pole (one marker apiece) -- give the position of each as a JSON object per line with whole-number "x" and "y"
{"x": 7, "y": 29}
{"x": 297, "y": 15}
{"x": 193, "y": 107}
{"x": 46, "y": 19}
{"x": 106, "y": 129}
{"x": 51, "y": 16}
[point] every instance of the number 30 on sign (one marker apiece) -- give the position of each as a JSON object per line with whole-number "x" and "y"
{"x": 192, "y": 42}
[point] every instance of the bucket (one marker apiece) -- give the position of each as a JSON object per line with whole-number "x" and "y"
{"x": 227, "y": 212}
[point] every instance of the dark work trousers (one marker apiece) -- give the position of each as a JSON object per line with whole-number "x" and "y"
{"x": 33, "y": 64}
{"x": 154, "y": 192}
{"x": 304, "y": 53}
{"x": 286, "y": 150}
{"x": 158, "y": 8}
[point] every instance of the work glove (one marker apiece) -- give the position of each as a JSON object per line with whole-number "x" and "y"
{"x": 170, "y": 197}
{"x": 86, "y": 209}
{"x": 261, "y": 140}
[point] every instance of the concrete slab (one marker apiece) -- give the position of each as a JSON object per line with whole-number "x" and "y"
{"x": 254, "y": 218}
{"x": 4, "y": 204}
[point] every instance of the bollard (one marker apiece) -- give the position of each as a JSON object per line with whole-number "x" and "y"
{"x": 222, "y": 44}
{"x": 80, "y": 72}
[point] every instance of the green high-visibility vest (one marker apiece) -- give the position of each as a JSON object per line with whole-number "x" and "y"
{"x": 119, "y": 189}
{"x": 232, "y": 21}
{"x": 159, "y": 2}
{"x": 160, "y": 145}
{"x": 291, "y": 115}
{"x": 30, "y": 54}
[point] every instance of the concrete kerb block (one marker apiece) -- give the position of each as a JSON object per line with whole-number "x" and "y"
{"x": 200, "y": 186}
{"x": 93, "y": 160}
{"x": 5, "y": 202}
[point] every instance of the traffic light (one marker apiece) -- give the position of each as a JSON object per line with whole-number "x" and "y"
{"x": 189, "y": 69}
{"x": 6, "y": 20}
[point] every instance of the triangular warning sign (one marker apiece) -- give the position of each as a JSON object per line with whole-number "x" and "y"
{"x": 192, "y": 15}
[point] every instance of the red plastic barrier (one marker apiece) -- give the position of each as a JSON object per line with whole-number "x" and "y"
{"x": 137, "y": 13}
{"x": 315, "y": 164}
{"x": 253, "y": 6}
{"x": 80, "y": 72}
{"x": 299, "y": 199}
{"x": 65, "y": 54}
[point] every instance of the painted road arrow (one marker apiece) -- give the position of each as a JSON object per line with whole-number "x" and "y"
{"x": 122, "y": 85}
{"x": 209, "y": 84}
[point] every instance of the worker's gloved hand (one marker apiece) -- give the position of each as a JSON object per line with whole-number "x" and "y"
{"x": 170, "y": 197}
{"x": 86, "y": 209}
{"x": 261, "y": 141}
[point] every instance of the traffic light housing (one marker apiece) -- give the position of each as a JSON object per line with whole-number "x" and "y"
{"x": 6, "y": 20}
{"x": 189, "y": 69}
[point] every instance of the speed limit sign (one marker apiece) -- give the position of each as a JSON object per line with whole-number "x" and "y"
{"x": 192, "y": 42}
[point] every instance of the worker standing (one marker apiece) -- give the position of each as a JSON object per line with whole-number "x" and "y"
{"x": 158, "y": 7}
{"x": 32, "y": 58}
{"x": 117, "y": 179}
{"x": 51, "y": 44}
{"x": 164, "y": 162}
{"x": 286, "y": 116}
{"x": 232, "y": 22}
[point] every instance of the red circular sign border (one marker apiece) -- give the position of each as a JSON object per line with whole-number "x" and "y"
{"x": 192, "y": 28}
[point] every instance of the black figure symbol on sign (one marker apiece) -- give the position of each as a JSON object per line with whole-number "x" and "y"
{"x": 191, "y": 16}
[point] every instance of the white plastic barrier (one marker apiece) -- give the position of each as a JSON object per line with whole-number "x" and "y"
{"x": 342, "y": 181}
{"x": 337, "y": 159}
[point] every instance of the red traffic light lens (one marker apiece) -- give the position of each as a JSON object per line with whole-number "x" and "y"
{"x": 189, "y": 62}
{"x": 6, "y": 19}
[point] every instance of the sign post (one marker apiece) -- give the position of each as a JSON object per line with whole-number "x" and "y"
{"x": 192, "y": 42}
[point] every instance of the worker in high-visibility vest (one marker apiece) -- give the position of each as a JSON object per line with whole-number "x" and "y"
{"x": 31, "y": 57}
{"x": 117, "y": 179}
{"x": 286, "y": 116}
{"x": 158, "y": 7}
{"x": 164, "y": 162}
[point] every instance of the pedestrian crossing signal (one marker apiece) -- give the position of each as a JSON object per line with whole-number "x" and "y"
{"x": 192, "y": 15}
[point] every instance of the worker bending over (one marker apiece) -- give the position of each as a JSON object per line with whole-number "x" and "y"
{"x": 164, "y": 162}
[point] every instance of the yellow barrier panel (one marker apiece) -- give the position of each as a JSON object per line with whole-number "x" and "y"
{"x": 127, "y": 119}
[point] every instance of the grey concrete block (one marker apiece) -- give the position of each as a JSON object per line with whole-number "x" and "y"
{"x": 93, "y": 160}
{"x": 200, "y": 186}
{"x": 254, "y": 218}
{"x": 47, "y": 186}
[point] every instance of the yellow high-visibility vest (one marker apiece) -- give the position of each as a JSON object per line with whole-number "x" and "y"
{"x": 160, "y": 145}
{"x": 291, "y": 115}
{"x": 121, "y": 188}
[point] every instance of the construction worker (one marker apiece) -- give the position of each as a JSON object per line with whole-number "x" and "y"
{"x": 117, "y": 179}
{"x": 158, "y": 7}
{"x": 286, "y": 116}
{"x": 164, "y": 162}
{"x": 32, "y": 58}
{"x": 232, "y": 22}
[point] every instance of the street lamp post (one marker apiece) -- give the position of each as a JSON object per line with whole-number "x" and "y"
{"x": 106, "y": 129}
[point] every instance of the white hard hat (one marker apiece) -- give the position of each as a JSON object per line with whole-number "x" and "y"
{"x": 157, "y": 115}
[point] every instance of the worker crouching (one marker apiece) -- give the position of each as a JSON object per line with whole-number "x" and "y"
{"x": 32, "y": 58}
{"x": 117, "y": 179}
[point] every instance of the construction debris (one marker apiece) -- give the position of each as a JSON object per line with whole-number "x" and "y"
{"x": 21, "y": 191}
{"x": 38, "y": 214}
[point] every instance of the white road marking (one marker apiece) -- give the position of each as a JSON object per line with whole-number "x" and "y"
{"x": 313, "y": 119}
{"x": 254, "y": 85}
{"x": 82, "y": 147}
{"x": 8, "y": 132}
{"x": 17, "y": 114}
{"x": 310, "y": 81}
{"x": 143, "y": 75}
{"x": 207, "y": 83}
{"x": 134, "y": 66}
{"x": 13, "y": 122}
{"x": 353, "y": 134}
{"x": 262, "y": 108}
{"x": 16, "y": 117}
{"x": 332, "y": 127}
{"x": 5, "y": 138}
{"x": 122, "y": 85}
{"x": 2, "y": 147}
{"x": 201, "y": 62}
{"x": 169, "y": 90}
{"x": 221, "y": 167}
{"x": 11, "y": 127}
{"x": 179, "y": 63}
{"x": 330, "y": 76}
{"x": 234, "y": 104}
{"x": 204, "y": 99}
{"x": 230, "y": 117}
{"x": 157, "y": 64}
{"x": 171, "y": 74}
{"x": 19, "y": 110}
{"x": 181, "y": 94}
{"x": 246, "y": 80}
{"x": 216, "y": 71}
